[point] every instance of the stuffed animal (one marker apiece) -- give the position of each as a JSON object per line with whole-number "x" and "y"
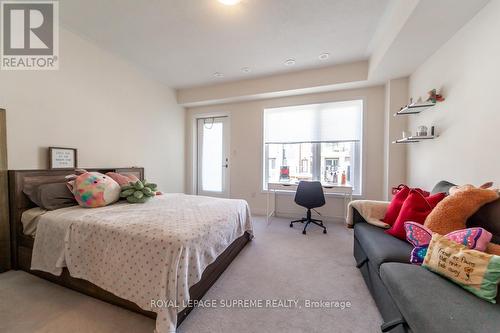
{"x": 93, "y": 189}
{"x": 138, "y": 192}
{"x": 452, "y": 212}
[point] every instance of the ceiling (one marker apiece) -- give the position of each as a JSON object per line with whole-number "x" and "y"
{"x": 184, "y": 42}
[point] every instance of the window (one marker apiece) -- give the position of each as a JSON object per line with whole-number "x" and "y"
{"x": 314, "y": 142}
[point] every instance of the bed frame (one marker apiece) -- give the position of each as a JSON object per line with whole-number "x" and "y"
{"x": 22, "y": 245}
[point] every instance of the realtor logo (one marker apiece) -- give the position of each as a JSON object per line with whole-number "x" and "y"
{"x": 29, "y": 35}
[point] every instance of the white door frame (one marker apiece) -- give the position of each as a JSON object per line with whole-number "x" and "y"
{"x": 195, "y": 154}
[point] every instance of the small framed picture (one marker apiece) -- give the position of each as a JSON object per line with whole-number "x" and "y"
{"x": 62, "y": 158}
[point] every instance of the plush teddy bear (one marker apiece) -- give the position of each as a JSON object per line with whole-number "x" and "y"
{"x": 93, "y": 189}
{"x": 452, "y": 212}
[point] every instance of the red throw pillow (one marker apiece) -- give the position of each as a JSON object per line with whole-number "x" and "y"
{"x": 415, "y": 208}
{"x": 392, "y": 213}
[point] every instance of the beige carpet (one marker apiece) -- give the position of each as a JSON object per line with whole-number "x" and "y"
{"x": 280, "y": 263}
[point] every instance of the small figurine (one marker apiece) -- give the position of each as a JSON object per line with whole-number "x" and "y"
{"x": 435, "y": 97}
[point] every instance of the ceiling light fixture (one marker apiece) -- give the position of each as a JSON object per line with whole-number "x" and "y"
{"x": 218, "y": 75}
{"x": 324, "y": 56}
{"x": 290, "y": 62}
{"x": 245, "y": 69}
{"x": 229, "y": 2}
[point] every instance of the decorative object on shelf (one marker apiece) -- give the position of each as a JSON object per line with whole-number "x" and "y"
{"x": 422, "y": 131}
{"x": 63, "y": 158}
{"x": 138, "y": 192}
{"x": 435, "y": 97}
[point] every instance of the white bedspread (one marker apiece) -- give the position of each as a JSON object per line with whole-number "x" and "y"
{"x": 141, "y": 252}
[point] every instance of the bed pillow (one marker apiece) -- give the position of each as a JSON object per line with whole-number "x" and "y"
{"x": 122, "y": 178}
{"x": 415, "y": 208}
{"x": 93, "y": 189}
{"x": 475, "y": 271}
{"x": 50, "y": 196}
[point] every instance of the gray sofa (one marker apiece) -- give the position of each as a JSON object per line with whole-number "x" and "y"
{"x": 413, "y": 299}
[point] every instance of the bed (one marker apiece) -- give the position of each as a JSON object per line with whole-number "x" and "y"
{"x": 174, "y": 247}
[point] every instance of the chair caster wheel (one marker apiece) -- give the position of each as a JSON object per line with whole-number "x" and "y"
{"x": 304, "y": 232}
{"x": 324, "y": 231}
{"x": 291, "y": 225}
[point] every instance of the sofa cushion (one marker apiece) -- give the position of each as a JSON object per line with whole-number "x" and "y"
{"x": 380, "y": 247}
{"x": 430, "y": 303}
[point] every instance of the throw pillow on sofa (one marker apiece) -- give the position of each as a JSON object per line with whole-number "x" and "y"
{"x": 420, "y": 236}
{"x": 392, "y": 213}
{"x": 415, "y": 208}
{"x": 475, "y": 271}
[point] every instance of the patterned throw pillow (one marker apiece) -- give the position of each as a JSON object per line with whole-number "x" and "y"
{"x": 475, "y": 271}
{"x": 420, "y": 236}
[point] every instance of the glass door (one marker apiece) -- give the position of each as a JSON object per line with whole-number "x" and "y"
{"x": 213, "y": 157}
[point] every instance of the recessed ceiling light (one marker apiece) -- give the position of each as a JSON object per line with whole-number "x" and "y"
{"x": 229, "y": 2}
{"x": 218, "y": 75}
{"x": 290, "y": 62}
{"x": 324, "y": 56}
{"x": 245, "y": 69}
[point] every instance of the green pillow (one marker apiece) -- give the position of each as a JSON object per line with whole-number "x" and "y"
{"x": 475, "y": 271}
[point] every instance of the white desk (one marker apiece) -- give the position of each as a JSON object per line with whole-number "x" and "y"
{"x": 344, "y": 190}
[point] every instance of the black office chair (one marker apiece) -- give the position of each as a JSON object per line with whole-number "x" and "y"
{"x": 309, "y": 195}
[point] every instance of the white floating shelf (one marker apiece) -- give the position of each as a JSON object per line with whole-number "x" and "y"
{"x": 413, "y": 139}
{"x": 414, "y": 108}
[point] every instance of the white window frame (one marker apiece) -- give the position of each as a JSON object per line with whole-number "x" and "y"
{"x": 317, "y": 157}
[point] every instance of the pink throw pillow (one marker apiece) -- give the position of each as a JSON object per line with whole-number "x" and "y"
{"x": 122, "y": 178}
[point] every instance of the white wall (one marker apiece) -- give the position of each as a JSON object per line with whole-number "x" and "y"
{"x": 246, "y": 147}
{"x": 101, "y": 105}
{"x": 396, "y": 94}
{"x": 467, "y": 68}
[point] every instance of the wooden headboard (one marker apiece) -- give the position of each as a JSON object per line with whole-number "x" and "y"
{"x": 19, "y": 202}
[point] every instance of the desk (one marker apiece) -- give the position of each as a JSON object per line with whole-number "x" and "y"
{"x": 345, "y": 190}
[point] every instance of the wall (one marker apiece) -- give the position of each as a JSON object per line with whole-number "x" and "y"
{"x": 246, "y": 147}
{"x": 396, "y": 94}
{"x": 4, "y": 198}
{"x": 99, "y": 104}
{"x": 467, "y": 69}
